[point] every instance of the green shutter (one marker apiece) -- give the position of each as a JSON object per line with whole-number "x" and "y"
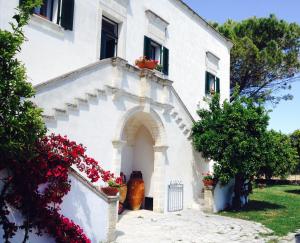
{"x": 165, "y": 60}
{"x": 217, "y": 85}
{"x": 67, "y": 14}
{"x": 147, "y": 47}
{"x": 207, "y": 75}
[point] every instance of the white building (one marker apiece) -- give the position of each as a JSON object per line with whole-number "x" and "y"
{"x": 80, "y": 55}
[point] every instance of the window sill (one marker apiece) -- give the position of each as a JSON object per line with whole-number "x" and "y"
{"x": 160, "y": 74}
{"x": 45, "y": 24}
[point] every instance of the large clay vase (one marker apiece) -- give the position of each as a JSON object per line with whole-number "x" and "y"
{"x": 136, "y": 190}
{"x": 123, "y": 193}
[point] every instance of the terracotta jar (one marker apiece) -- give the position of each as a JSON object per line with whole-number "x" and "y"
{"x": 136, "y": 190}
{"x": 123, "y": 193}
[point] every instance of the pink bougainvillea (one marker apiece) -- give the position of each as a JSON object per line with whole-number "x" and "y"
{"x": 36, "y": 188}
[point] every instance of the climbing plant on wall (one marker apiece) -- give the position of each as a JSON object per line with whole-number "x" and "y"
{"x": 34, "y": 167}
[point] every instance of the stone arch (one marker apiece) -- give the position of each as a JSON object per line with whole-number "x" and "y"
{"x": 151, "y": 121}
{"x": 127, "y": 128}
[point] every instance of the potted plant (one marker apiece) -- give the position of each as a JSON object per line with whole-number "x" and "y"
{"x": 113, "y": 187}
{"x": 208, "y": 180}
{"x": 159, "y": 67}
{"x": 143, "y": 62}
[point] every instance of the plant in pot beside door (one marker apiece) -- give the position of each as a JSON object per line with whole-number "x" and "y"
{"x": 208, "y": 180}
{"x": 143, "y": 62}
{"x": 113, "y": 186}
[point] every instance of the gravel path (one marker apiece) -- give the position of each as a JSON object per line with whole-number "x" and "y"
{"x": 187, "y": 226}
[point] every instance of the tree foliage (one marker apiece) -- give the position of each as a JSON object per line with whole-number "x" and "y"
{"x": 295, "y": 138}
{"x": 265, "y": 55}
{"x": 231, "y": 134}
{"x": 279, "y": 158}
{"x": 20, "y": 121}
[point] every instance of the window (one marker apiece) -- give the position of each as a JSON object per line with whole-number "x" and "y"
{"x": 109, "y": 38}
{"x": 212, "y": 84}
{"x": 155, "y": 51}
{"x": 45, "y": 10}
{"x": 59, "y": 11}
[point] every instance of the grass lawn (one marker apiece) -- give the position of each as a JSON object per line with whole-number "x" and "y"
{"x": 276, "y": 207}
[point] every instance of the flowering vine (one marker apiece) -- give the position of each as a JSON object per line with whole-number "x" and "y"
{"x": 36, "y": 187}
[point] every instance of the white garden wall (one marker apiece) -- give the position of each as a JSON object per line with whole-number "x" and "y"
{"x": 86, "y": 206}
{"x": 223, "y": 196}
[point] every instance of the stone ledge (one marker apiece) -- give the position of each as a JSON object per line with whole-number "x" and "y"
{"x": 108, "y": 199}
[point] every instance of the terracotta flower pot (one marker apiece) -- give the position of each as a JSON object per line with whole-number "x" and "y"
{"x": 110, "y": 191}
{"x": 150, "y": 64}
{"x": 141, "y": 64}
{"x": 208, "y": 183}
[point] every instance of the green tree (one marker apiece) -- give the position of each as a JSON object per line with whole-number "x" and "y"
{"x": 295, "y": 138}
{"x": 231, "y": 135}
{"x": 265, "y": 56}
{"x": 20, "y": 121}
{"x": 279, "y": 157}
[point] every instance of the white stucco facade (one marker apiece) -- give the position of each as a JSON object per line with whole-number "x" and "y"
{"x": 52, "y": 51}
{"x": 128, "y": 118}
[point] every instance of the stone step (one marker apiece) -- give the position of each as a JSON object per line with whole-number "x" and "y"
{"x": 186, "y": 131}
{"x": 81, "y": 100}
{"x": 59, "y": 111}
{"x": 174, "y": 114}
{"x": 91, "y": 95}
{"x": 72, "y": 106}
{"x": 100, "y": 91}
{"x": 48, "y": 118}
{"x": 182, "y": 126}
{"x": 178, "y": 120}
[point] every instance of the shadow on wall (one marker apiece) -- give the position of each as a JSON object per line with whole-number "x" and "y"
{"x": 200, "y": 165}
{"x": 86, "y": 209}
{"x": 223, "y": 195}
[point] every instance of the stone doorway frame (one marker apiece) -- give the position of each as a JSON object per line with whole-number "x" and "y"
{"x": 155, "y": 126}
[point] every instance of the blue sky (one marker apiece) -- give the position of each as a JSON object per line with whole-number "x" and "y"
{"x": 286, "y": 115}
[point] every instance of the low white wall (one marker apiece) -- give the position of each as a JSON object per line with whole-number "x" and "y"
{"x": 86, "y": 207}
{"x": 223, "y": 196}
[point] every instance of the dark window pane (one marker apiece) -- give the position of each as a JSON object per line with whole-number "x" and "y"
{"x": 110, "y": 27}
{"x": 45, "y": 10}
{"x": 152, "y": 52}
{"x": 109, "y": 39}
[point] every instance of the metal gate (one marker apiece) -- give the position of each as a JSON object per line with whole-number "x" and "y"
{"x": 175, "y": 196}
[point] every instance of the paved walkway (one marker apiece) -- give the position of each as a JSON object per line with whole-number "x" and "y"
{"x": 186, "y": 227}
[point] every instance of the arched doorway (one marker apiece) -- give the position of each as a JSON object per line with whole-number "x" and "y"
{"x": 141, "y": 145}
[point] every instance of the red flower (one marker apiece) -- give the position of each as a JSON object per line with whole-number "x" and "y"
{"x": 49, "y": 170}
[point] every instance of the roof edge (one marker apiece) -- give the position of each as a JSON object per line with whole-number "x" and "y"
{"x": 228, "y": 41}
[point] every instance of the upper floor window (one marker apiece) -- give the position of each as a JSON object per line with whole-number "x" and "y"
{"x": 45, "y": 10}
{"x": 109, "y": 38}
{"x": 59, "y": 11}
{"x": 155, "y": 51}
{"x": 212, "y": 84}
